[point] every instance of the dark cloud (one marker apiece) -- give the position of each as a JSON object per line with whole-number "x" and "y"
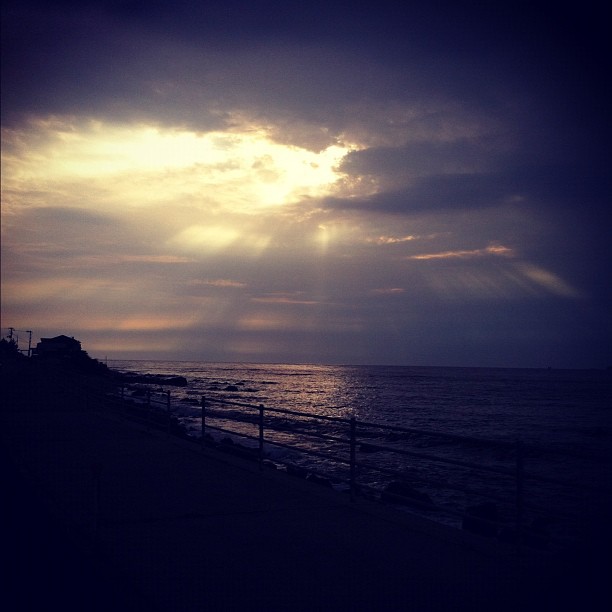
{"x": 478, "y": 171}
{"x": 540, "y": 188}
{"x": 58, "y": 216}
{"x": 122, "y": 58}
{"x": 431, "y": 194}
{"x": 476, "y": 123}
{"x": 416, "y": 159}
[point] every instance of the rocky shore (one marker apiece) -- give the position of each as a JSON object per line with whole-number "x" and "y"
{"x": 152, "y": 379}
{"x": 189, "y": 527}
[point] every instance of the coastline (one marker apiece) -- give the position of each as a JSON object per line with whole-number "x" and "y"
{"x": 218, "y": 517}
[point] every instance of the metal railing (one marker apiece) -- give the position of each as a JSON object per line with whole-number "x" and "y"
{"x": 500, "y": 497}
{"x": 489, "y": 487}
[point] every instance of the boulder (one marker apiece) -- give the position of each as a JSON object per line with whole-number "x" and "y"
{"x": 175, "y": 381}
{"x": 398, "y": 492}
{"x": 319, "y": 480}
{"x": 238, "y": 450}
{"x": 295, "y": 470}
{"x": 154, "y": 379}
{"x": 191, "y": 401}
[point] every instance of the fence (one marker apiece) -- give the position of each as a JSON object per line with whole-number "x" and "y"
{"x": 489, "y": 487}
{"x": 496, "y": 488}
{"x": 150, "y": 407}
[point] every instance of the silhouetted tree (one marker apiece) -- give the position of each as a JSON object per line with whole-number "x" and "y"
{"x": 9, "y": 350}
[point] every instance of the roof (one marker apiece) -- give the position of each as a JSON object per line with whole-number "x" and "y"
{"x": 61, "y": 338}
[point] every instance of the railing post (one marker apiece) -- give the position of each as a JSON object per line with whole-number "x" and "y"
{"x": 261, "y": 436}
{"x": 96, "y": 471}
{"x": 353, "y": 444}
{"x": 520, "y": 477}
{"x": 168, "y": 413}
{"x": 203, "y": 404}
{"x": 148, "y": 418}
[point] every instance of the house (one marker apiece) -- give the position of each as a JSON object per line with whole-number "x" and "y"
{"x": 60, "y": 346}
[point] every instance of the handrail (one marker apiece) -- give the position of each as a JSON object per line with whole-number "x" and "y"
{"x": 509, "y": 444}
{"x": 515, "y": 477}
{"x": 280, "y": 410}
{"x": 399, "y": 451}
{"x": 342, "y": 448}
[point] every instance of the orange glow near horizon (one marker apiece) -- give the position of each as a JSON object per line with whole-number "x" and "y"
{"x": 497, "y": 250}
{"x": 152, "y": 233}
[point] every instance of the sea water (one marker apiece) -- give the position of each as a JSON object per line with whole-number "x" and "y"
{"x": 562, "y": 418}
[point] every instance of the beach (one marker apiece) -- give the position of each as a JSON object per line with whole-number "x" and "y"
{"x": 131, "y": 515}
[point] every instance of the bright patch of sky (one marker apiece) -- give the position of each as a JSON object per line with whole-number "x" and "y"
{"x": 397, "y": 183}
{"x": 238, "y": 171}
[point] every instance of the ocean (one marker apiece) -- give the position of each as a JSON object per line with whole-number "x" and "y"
{"x": 449, "y": 422}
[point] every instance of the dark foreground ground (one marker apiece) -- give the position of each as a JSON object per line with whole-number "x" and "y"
{"x": 169, "y": 526}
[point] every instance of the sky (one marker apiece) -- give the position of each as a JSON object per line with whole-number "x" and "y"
{"x": 416, "y": 183}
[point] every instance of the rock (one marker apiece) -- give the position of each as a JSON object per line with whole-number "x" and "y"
{"x": 191, "y": 401}
{"x": 231, "y": 388}
{"x": 398, "y": 492}
{"x": 294, "y": 470}
{"x": 208, "y": 440}
{"x": 176, "y": 381}
{"x": 319, "y": 480}
{"x": 229, "y": 446}
{"x": 155, "y": 379}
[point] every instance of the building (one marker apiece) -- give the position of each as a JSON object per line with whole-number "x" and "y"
{"x": 60, "y": 346}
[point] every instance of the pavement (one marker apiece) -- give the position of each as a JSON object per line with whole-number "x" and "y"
{"x": 105, "y": 513}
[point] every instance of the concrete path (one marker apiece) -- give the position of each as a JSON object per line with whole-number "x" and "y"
{"x": 181, "y": 528}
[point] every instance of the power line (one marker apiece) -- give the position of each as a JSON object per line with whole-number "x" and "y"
{"x": 11, "y": 333}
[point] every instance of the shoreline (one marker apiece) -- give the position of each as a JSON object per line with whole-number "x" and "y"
{"x": 145, "y": 401}
{"x": 164, "y": 487}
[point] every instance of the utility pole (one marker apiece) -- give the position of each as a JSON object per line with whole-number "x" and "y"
{"x": 11, "y": 333}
